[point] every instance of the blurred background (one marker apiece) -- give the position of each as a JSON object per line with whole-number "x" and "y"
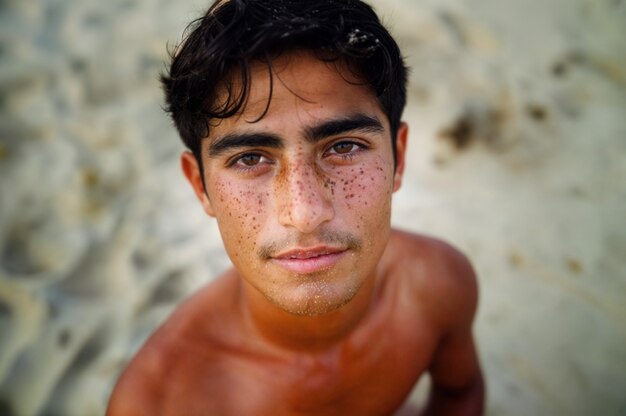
{"x": 517, "y": 156}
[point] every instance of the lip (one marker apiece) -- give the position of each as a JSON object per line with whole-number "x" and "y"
{"x": 309, "y": 260}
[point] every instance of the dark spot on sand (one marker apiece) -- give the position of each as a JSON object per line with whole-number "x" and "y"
{"x": 537, "y": 112}
{"x": 439, "y": 161}
{"x": 4, "y": 151}
{"x": 515, "y": 259}
{"x": 64, "y": 337}
{"x": 574, "y": 265}
{"x": 5, "y": 310}
{"x": 78, "y": 65}
{"x": 459, "y": 133}
{"x": 560, "y": 69}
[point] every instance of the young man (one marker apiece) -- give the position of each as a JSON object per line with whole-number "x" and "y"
{"x": 291, "y": 110}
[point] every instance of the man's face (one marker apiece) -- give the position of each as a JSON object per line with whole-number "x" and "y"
{"x": 302, "y": 196}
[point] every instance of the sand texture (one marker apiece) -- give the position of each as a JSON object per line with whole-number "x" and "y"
{"x": 517, "y": 155}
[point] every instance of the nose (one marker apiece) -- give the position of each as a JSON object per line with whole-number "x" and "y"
{"x": 304, "y": 200}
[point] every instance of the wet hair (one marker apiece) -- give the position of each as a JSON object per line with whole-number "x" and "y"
{"x": 217, "y": 51}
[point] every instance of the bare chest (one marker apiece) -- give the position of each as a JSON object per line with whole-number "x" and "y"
{"x": 349, "y": 380}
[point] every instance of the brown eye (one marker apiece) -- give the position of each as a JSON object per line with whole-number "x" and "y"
{"x": 342, "y": 148}
{"x": 250, "y": 160}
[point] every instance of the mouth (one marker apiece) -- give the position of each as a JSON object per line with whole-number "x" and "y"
{"x": 309, "y": 260}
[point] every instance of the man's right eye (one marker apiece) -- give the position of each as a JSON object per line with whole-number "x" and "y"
{"x": 249, "y": 162}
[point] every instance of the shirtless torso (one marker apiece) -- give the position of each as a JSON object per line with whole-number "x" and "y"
{"x": 205, "y": 361}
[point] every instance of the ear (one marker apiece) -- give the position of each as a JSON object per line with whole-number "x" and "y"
{"x": 190, "y": 167}
{"x": 401, "y": 136}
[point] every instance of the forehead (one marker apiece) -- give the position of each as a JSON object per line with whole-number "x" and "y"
{"x": 298, "y": 88}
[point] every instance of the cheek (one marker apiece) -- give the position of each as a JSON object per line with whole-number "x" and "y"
{"x": 240, "y": 209}
{"x": 365, "y": 189}
{"x": 364, "y": 193}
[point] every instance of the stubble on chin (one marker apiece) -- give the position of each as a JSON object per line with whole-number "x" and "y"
{"x": 320, "y": 294}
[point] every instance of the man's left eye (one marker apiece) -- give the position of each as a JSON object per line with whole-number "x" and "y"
{"x": 250, "y": 159}
{"x": 344, "y": 148}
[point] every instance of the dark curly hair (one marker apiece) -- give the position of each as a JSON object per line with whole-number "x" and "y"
{"x": 220, "y": 47}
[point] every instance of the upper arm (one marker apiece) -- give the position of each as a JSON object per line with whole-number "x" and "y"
{"x": 136, "y": 391}
{"x": 127, "y": 401}
{"x": 455, "y": 365}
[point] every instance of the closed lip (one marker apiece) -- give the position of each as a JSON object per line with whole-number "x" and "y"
{"x": 309, "y": 260}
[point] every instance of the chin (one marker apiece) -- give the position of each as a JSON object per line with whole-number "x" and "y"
{"x": 316, "y": 298}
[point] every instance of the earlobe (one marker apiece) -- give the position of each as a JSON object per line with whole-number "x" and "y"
{"x": 192, "y": 172}
{"x": 401, "y": 138}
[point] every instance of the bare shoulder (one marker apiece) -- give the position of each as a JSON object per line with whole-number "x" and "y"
{"x": 439, "y": 274}
{"x": 162, "y": 365}
{"x": 137, "y": 391}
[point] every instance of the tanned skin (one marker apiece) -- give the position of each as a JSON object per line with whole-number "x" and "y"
{"x": 327, "y": 311}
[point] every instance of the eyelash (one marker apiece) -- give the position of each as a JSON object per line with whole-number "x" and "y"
{"x": 233, "y": 163}
{"x": 352, "y": 153}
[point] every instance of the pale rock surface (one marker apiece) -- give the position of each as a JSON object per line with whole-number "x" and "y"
{"x": 517, "y": 155}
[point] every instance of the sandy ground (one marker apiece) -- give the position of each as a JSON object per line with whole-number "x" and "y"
{"x": 517, "y": 156}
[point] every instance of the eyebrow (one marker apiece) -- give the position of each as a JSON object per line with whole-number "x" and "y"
{"x": 239, "y": 140}
{"x": 357, "y": 122}
{"x": 312, "y": 134}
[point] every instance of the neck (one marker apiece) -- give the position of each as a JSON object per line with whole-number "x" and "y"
{"x": 285, "y": 330}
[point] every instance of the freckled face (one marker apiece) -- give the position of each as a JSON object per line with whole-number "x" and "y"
{"x": 302, "y": 196}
